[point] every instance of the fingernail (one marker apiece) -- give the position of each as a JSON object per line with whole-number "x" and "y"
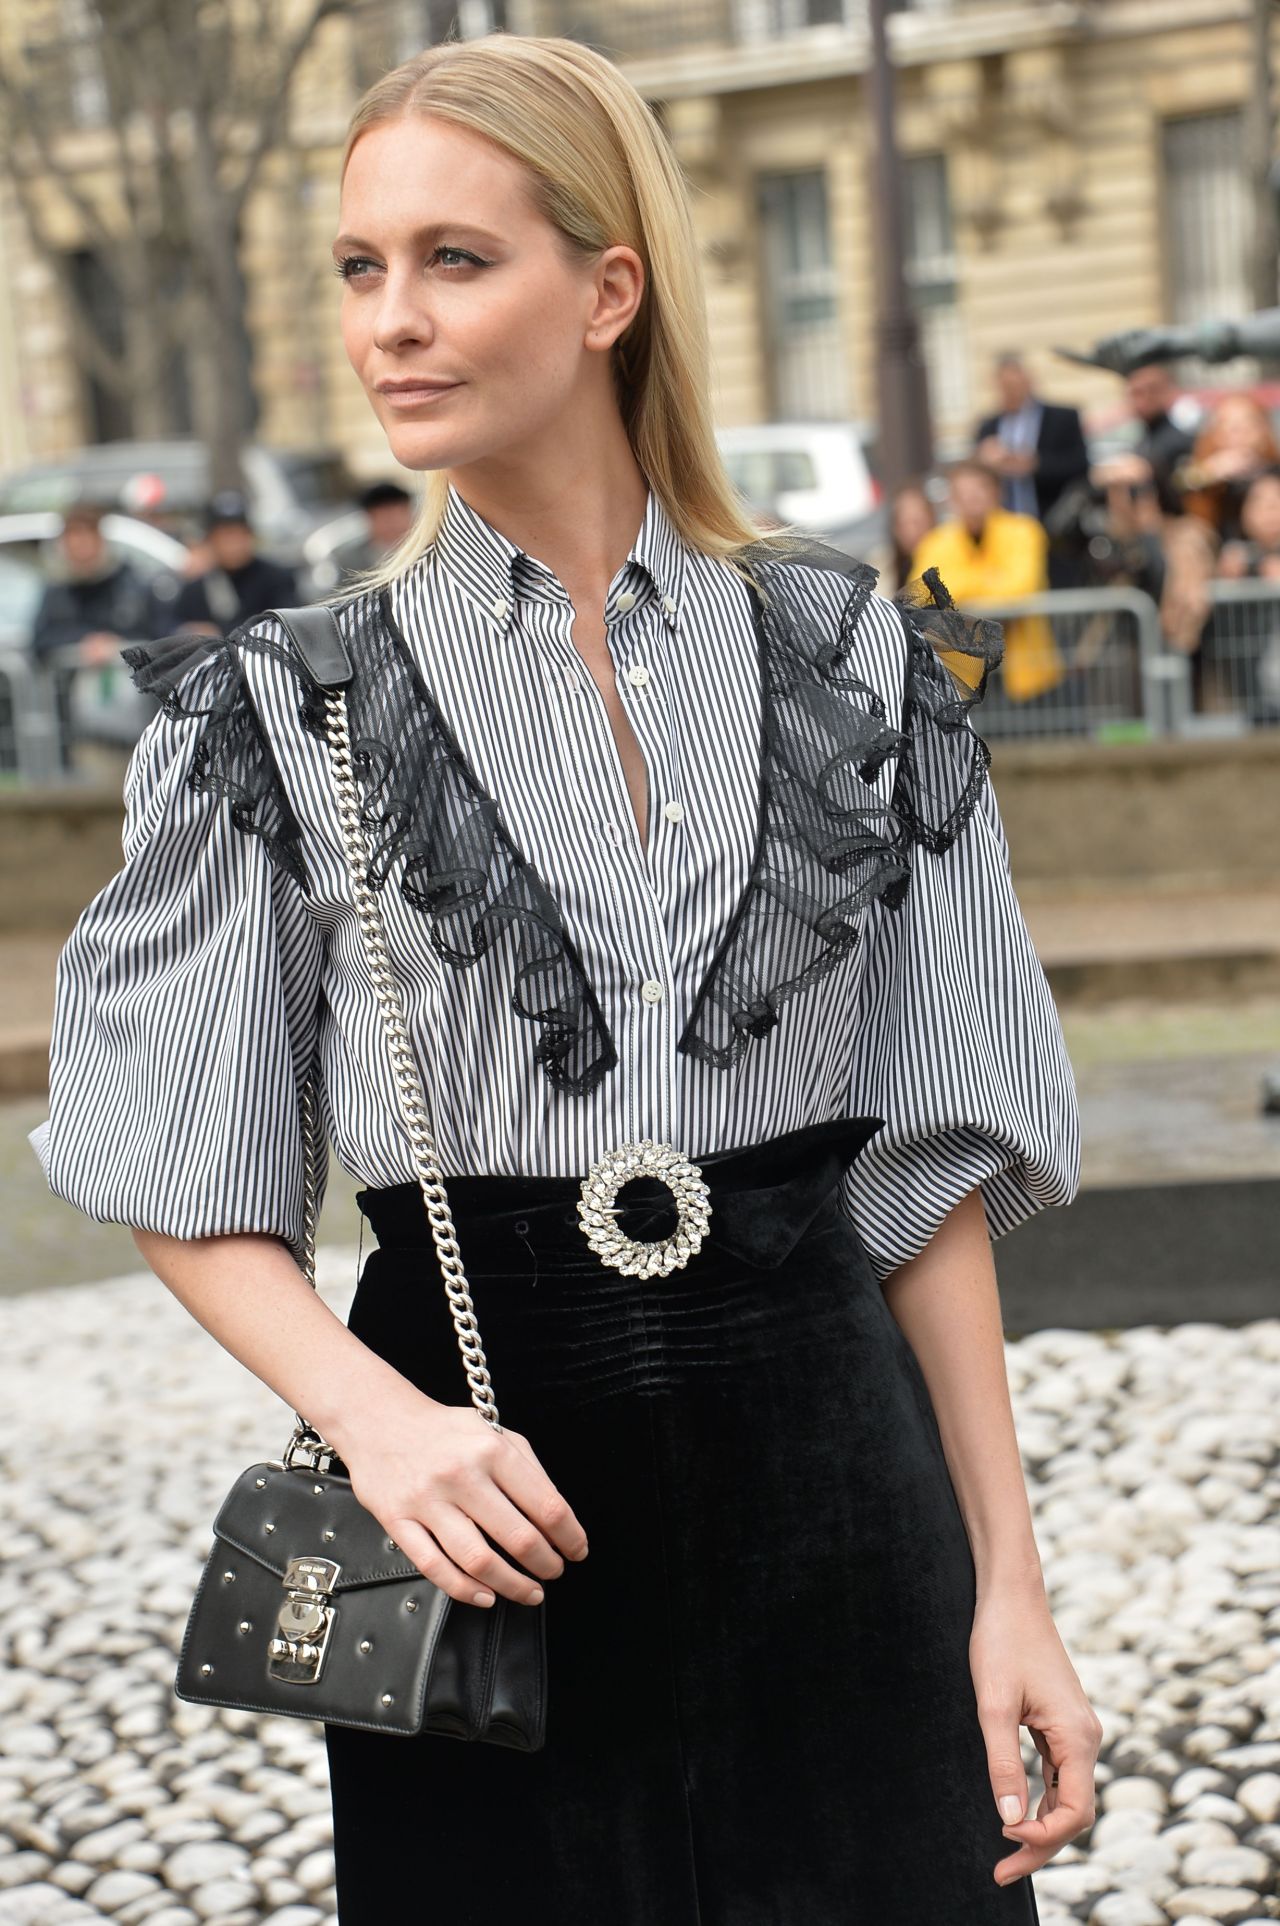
{"x": 537, "y": 1595}
{"x": 582, "y": 1553}
{"x": 485, "y": 1598}
{"x": 1010, "y": 1807}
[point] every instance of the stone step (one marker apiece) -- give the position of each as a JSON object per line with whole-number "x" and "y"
{"x": 1165, "y": 944}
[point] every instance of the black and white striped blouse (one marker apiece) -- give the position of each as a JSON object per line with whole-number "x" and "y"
{"x": 820, "y": 921}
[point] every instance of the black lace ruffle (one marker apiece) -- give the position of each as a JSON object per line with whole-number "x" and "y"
{"x": 424, "y": 809}
{"x": 827, "y": 844}
{"x": 200, "y": 676}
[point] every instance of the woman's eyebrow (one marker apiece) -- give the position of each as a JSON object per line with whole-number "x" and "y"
{"x": 421, "y": 235}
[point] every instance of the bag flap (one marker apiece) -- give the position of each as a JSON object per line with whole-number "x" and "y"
{"x": 273, "y": 1513}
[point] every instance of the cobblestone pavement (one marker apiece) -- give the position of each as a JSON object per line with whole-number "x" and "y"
{"x": 1151, "y": 1458}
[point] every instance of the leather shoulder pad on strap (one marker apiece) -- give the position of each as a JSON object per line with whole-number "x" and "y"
{"x": 314, "y": 632}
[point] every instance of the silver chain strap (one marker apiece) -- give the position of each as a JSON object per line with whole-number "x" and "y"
{"x": 410, "y": 1095}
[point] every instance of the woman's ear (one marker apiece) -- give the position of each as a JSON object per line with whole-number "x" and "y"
{"x": 619, "y": 279}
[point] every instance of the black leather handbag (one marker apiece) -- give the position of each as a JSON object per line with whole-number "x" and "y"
{"x": 305, "y": 1606}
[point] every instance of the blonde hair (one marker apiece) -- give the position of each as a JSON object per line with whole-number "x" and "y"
{"x": 603, "y": 173}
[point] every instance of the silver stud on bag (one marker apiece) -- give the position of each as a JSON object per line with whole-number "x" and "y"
{"x": 260, "y": 1483}
{"x": 366, "y": 1645}
{"x": 246, "y": 1625}
{"x": 597, "y": 1213}
{"x": 206, "y": 1670}
{"x": 228, "y": 1578}
{"x": 388, "y": 1698}
{"x": 268, "y": 1528}
{"x": 327, "y": 1535}
{"x": 411, "y": 1604}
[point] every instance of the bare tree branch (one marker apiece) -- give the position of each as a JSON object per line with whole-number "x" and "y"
{"x": 31, "y": 124}
{"x": 270, "y": 113}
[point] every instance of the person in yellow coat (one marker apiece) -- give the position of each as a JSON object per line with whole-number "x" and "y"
{"x": 986, "y": 553}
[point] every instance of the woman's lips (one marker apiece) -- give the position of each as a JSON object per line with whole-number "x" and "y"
{"x": 417, "y": 397}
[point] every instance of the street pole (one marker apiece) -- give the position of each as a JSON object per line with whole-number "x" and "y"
{"x": 905, "y": 438}
{"x": 1260, "y": 134}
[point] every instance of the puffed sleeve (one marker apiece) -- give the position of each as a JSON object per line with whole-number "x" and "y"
{"x": 959, "y": 1046}
{"x": 186, "y": 1002}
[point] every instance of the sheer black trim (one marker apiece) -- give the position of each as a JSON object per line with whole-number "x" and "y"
{"x": 826, "y": 843}
{"x": 232, "y": 758}
{"x": 424, "y": 807}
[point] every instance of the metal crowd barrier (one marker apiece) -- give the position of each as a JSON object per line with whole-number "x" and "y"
{"x": 1238, "y": 675}
{"x": 1117, "y": 678}
{"x": 29, "y": 731}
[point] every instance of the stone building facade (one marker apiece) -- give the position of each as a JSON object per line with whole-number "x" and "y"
{"x": 1072, "y": 167}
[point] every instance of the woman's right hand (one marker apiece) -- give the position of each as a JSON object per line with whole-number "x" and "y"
{"x": 437, "y": 1477}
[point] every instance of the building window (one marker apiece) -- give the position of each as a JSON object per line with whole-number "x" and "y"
{"x": 809, "y": 375}
{"x": 1206, "y": 217}
{"x": 68, "y": 82}
{"x": 756, "y": 20}
{"x": 933, "y": 278}
{"x": 388, "y": 32}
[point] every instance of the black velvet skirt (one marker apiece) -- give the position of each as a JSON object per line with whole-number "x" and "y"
{"x": 760, "y": 1708}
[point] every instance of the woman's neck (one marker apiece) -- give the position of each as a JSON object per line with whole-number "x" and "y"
{"x": 577, "y": 517}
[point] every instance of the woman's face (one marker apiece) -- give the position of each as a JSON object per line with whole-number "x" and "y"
{"x": 1238, "y": 422}
{"x": 913, "y": 517}
{"x": 454, "y": 280}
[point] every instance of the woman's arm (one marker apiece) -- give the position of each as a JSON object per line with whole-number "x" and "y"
{"x": 947, "y": 1304}
{"x": 435, "y": 1475}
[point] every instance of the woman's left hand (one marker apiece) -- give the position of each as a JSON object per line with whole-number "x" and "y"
{"x": 1022, "y": 1676}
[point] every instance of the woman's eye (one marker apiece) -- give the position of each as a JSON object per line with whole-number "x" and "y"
{"x": 350, "y": 266}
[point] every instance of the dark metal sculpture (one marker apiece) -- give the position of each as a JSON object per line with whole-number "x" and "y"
{"x": 1214, "y": 341}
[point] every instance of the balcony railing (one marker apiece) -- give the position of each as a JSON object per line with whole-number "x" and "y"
{"x": 644, "y": 28}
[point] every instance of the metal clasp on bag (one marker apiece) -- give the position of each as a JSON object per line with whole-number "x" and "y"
{"x": 304, "y": 1621}
{"x": 308, "y": 1447}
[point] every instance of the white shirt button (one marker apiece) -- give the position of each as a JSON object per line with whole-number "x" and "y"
{"x": 638, "y": 675}
{"x": 673, "y": 811}
{"x": 669, "y": 604}
{"x": 625, "y": 601}
{"x": 651, "y": 991}
{"x": 500, "y": 607}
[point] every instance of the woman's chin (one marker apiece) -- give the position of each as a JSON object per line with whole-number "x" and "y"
{"x": 419, "y": 448}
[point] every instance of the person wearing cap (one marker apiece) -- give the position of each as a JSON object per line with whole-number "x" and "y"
{"x": 389, "y": 509}
{"x": 241, "y": 583}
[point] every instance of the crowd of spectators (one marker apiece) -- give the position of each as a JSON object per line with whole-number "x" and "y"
{"x": 95, "y": 601}
{"x": 1170, "y": 512}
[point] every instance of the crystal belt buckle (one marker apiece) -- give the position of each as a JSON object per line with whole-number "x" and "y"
{"x": 596, "y": 1208}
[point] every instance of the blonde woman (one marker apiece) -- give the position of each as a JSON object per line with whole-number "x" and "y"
{"x": 679, "y": 834}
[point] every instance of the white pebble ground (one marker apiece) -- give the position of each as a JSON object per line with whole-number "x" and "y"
{"x": 1153, "y": 1462}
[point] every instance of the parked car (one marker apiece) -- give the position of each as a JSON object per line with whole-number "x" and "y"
{"x": 331, "y": 551}
{"x": 290, "y": 491}
{"x": 813, "y": 473}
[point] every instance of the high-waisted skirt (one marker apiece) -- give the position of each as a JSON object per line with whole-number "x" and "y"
{"x": 760, "y": 1709}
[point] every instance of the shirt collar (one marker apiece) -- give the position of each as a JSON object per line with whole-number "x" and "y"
{"x": 495, "y": 573}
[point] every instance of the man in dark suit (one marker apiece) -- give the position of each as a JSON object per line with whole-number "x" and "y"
{"x": 1036, "y": 447}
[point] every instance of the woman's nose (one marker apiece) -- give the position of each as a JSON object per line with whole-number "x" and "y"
{"x": 403, "y": 313}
